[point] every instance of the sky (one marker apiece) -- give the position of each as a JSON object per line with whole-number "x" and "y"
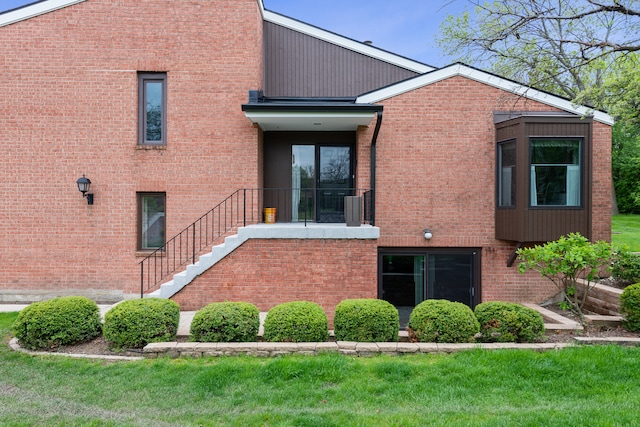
{"x": 404, "y": 27}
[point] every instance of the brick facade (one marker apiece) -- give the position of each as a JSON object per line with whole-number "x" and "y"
{"x": 69, "y": 106}
{"x": 270, "y": 272}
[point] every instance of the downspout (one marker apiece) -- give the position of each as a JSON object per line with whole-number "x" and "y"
{"x": 374, "y": 140}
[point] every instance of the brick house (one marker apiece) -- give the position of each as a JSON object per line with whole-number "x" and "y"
{"x": 190, "y": 118}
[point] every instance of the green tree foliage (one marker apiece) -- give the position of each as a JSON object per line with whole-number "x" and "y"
{"x": 563, "y": 46}
{"x": 625, "y": 166}
{"x": 566, "y": 260}
{"x": 584, "y": 50}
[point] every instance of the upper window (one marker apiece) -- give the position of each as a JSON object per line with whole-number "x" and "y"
{"x": 152, "y": 106}
{"x": 556, "y": 176}
{"x": 151, "y": 220}
{"x": 507, "y": 174}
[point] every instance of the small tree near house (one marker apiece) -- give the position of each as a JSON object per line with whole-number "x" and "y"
{"x": 566, "y": 260}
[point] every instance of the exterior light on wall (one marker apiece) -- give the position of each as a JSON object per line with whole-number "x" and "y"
{"x": 428, "y": 234}
{"x": 83, "y": 186}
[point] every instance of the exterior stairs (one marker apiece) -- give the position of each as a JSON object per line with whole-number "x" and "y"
{"x": 205, "y": 262}
{"x": 261, "y": 231}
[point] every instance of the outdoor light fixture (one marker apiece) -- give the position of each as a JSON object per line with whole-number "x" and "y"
{"x": 427, "y": 234}
{"x": 83, "y": 186}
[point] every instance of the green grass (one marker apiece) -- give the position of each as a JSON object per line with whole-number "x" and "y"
{"x": 595, "y": 386}
{"x": 626, "y": 231}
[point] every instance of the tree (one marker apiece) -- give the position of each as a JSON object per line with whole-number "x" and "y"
{"x": 585, "y": 50}
{"x": 562, "y": 46}
{"x": 566, "y": 260}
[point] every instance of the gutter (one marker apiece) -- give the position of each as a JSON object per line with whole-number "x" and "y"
{"x": 374, "y": 141}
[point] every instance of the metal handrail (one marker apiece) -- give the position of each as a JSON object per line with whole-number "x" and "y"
{"x": 244, "y": 206}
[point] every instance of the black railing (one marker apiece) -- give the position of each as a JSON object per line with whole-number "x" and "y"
{"x": 245, "y": 207}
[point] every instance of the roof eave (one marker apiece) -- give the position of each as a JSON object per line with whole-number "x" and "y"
{"x": 33, "y": 10}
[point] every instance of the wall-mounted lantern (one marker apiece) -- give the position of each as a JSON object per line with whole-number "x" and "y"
{"x": 428, "y": 234}
{"x": 84, "y": 184}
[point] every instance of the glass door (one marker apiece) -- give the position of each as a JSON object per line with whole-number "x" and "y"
{"x": 334, "y": 182}
{"x": 321, "y": 176}
{"x": 303, "y": 178}
{"x": 408, "y": 277}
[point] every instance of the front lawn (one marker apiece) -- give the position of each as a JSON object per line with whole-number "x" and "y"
{"x": 595, "y": 386}
{"x": 626, "y": 231}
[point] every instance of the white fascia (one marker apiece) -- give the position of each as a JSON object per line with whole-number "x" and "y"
{"x": 486, "y": 78}
{"x": 342, "y": 41}
{"x": 36, "y": 9}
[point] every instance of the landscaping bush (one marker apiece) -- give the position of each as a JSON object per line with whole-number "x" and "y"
{"x": 226, "y": 322}
{"x": 297, "y": 321}
{"x": 366, "y": 320}
{"x": 626, "y": 266}
{"x": 57, "y": 322}
{"x": 442, "y": 321}
{"x": 136, "y": 323}
{"x": 508, "y": 322}
{"x": 630, "y": 307}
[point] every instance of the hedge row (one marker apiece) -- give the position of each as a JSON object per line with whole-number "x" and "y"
{"x": 136, "y": 323}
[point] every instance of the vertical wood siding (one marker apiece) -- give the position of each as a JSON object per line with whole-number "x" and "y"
{"x": 297, "y": 65}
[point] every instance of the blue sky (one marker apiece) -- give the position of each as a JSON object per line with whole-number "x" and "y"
{"x": 405, "y": 27}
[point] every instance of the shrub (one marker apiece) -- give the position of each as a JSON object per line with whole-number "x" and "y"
{"x": 442, "y": 321}
{"x": 630, "y": 307}
{"x": 626, "y": 266}
{"x": 366, "y": 320}
{"x": 508, "y": 322}
{"x": 297, "y": 321}
{"x": 564, "y": 261}
{"x": 226, "y": 322}
{"x": 136, "y": 323}
{"x": 57, "y": 322}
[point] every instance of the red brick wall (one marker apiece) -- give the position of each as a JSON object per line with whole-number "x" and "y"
{"x": 269, "y": 272}
{"x": 69, "y": 106}
{"x": 436, "y": 169}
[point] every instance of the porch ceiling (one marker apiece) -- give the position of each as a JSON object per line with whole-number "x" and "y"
{"x": 310, "y": 117}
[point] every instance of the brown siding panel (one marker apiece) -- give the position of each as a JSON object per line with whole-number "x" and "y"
{"x": 298, "y": 65}
{"x": 526, "y": 224}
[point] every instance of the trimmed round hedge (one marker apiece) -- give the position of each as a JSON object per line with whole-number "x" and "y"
{"x": 296, "y": 321}
{"x": 442, "y": 321}
{"x": 630, "y": 307}
{"x": 366, "y": 320}
{"x": 508, "y": 322}
{"x": 57, "y": 322}
{"x": 226, "y": 322}
{"x": 136, "y": 323}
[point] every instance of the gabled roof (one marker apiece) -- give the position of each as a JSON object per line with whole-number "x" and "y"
{"x": 486, "y": 78}
{"x": 29, "y": 11}
{"x": 342, "y": 41}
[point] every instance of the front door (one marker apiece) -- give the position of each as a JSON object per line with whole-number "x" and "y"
{"x": 334, "y": 182}
{"x": 321, "y": 177}
{"x": 408, "y": 277}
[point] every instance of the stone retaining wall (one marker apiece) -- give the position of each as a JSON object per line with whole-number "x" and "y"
{"x": 269, "y": 349}
{"x": 602, "y": 299}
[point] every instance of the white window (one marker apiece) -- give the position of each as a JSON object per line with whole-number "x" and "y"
{"x": 556, "y": 176}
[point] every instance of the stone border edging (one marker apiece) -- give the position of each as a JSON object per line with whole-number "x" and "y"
{"x": 270, "y": 349}
{"x": 15, "y": 346}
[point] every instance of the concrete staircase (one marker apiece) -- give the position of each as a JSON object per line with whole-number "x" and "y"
{"x": 262, "y": 231}
{"x": 205, "y": 262}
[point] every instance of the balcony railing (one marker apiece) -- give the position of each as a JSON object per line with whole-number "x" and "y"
{"x": 246, "y": 207}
